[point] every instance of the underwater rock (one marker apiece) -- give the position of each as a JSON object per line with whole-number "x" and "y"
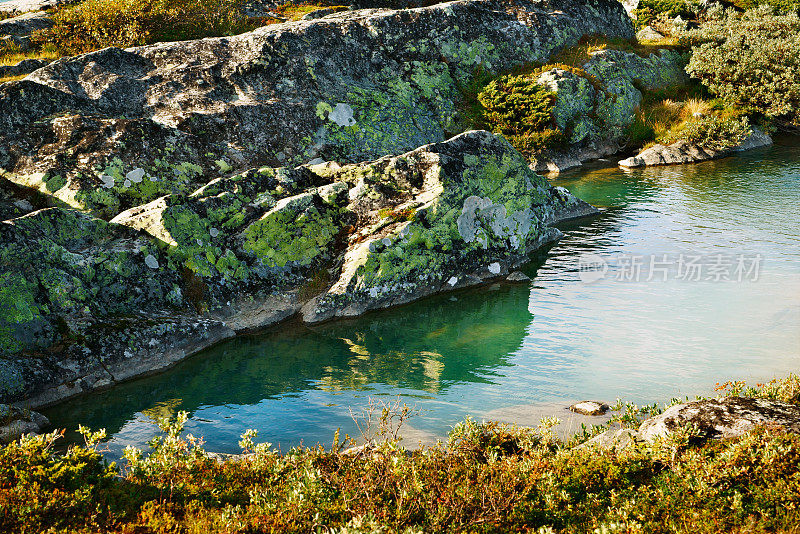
{"x": 589, "y": 408}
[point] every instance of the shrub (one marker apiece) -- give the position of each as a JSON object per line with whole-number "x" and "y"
{"x": 95, "y": 24}
{"x": 649, "y": 10}
{"x": 752, "y": 61}
{"x": 780, "y": 6}
{"x": 710, "y": 132}
{"x": 520, "y": 109}
{"x": 517, "y": 105}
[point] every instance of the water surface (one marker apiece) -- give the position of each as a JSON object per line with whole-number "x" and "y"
{"x": 518, "y": 352}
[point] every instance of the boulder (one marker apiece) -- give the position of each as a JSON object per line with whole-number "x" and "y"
{"x": 24, "y": 25}
{"x": 467, "y": 210}
{"x": 518, "y": 277}
{"x": 725, "y": 418}
{"x": 684, "y": 152}
{"x": 596, "y": 103}
{"x": 589, "y": 408}
{"x": 87, "y": 303}
{"x": 352, "y": 86}
{"x": 648, "y": 34}
{"x": 14, "y": 422}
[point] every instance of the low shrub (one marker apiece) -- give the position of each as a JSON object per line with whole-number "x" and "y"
{"x": 710, "y": 132}
{"x": 521, "y": 110}
{"x": 95, "y": 24}
{"x": 649, "y": 10}
{"x": 751, "y": 61}
{"x": 487, "y": 477}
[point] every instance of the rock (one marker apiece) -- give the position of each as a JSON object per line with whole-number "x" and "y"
{"x": 475, "y": 187}
{"x": 597, "y": 102}
{"x": 14, "y": 422}
{"x": 26, "y": 66}
{"x": 648, "y": 34}
{"x": 319, "y": 13}
{"x": 278, "y": 96}
{"x": 630, "y": 6}
{"x": 194, "y": 220}
{"x": 726, "y": 418}
{"x": 518, "y": 277}
{"x": 589, "y": 408}
{"x": 24, "y": 25}
{"x": 683, "y": 152}
{"x": 616, "y": 439}
{"x": 24, "y": 6}
{"x": 241, "y": 248}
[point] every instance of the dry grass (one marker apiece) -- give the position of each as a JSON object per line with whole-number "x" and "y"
{"x": 12, "y": 78}
{"x": 696, "y": 107}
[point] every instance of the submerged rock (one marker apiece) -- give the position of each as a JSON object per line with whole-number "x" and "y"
{"x": 14, "y": 422}
{"x": 726, "y": 418}
{"x": 518, "y": 277}
{"x": 589, "y": 408}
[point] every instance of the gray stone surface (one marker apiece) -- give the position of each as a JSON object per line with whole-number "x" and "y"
{"x": 518, "y": 277}
{"x": 726, "y": 418}
{"x": 684, "y": 152}
{"x": 648, "y": 34}
{"x": 589, "y": 407}
{"x": 24, "y": 6}
{"x": 614, "y": 439}
{"x": 596, "y": 103}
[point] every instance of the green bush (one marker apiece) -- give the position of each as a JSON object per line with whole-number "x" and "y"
{"x": 649, "y": 10}
{"x": 711, "y": 132}
{"x": 95, "y": 24}
{"x": 522, "y": 110}
{"x": 780, "y": 6}
{"x": 752, "y": 61}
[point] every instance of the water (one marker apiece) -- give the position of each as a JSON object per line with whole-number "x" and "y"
{"x": 518, "y": 352}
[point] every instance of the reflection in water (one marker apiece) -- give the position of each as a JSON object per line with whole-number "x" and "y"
{"x": 518, "y": 352}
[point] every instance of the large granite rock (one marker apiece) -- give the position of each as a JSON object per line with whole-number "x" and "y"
{"x": 595, "y": 104}
{"x": 350, "y": 87}
{"x": 684, "y": 152}
{"x": 726, "y": 418}
{"x": 86, "y": 303}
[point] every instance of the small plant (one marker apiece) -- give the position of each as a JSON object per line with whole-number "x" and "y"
{"x": 521, "y": 109}
{"x": 710, "y": 132}
{"x": 381, "y": 421}
{"x": 95, "y": 24}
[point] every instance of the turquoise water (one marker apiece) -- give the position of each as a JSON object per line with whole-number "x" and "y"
{"x": 517, "y": 352}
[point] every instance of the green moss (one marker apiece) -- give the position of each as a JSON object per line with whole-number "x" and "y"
{"x": 17, "y": 307}
{"x": 301, "y": 234}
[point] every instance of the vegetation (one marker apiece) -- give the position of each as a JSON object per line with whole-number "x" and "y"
{"x": 751, "y": 60}
{"x": 486, "y": 478}
{"x": 521, "y": 110}
{"x": 94, "y": 24}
